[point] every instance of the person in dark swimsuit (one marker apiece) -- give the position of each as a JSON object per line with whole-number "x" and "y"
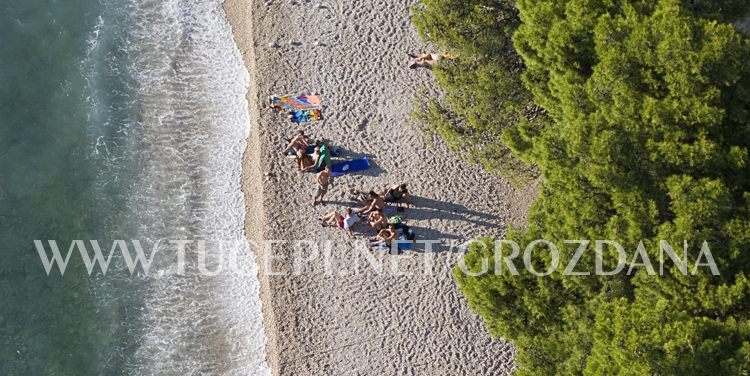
{"x": 397, "y": 193}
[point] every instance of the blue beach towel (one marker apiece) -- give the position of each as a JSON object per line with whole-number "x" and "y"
{"x": 341, "y": 168}
{"x": 404, "y": 244}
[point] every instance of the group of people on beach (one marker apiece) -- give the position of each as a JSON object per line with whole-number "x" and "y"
{"x": 315, "y": 156}
{"x": 372, "y": 210}
{"x": 319, "y": 161}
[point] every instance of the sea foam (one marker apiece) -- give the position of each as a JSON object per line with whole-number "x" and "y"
{"x": 167, "y": 92}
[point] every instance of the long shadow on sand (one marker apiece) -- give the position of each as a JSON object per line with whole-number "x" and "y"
{"x": 374, "y": 169}
{"x": 429, "y": 209}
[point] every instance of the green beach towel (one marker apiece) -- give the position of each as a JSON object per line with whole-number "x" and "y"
{"x": 325, "y": 157}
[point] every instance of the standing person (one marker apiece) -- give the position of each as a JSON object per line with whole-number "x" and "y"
{"x": 323, "y": 179}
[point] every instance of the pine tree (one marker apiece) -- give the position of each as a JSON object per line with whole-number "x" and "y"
{"x": 482, "y": 93}
{"x": 648, "y": 141}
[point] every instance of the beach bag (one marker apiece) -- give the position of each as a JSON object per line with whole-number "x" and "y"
{"x": 409, "y": 234}
{"x": 399, "y": 249}
{"x": 396, "y": 219}
{"x": 405, "y": 231}
{"x": 404, "y": 244}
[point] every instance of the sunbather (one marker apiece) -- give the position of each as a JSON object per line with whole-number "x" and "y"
{"x": 344, "y": 222}
{"x": 299, "y": 142}
{"x": 321, "y": 156}
{"x": 359, "y": 196}
{"x": 396, "y": 194}
{"x": 303, "y": 160}
{"x": 428, "y": 60}
{"x": 377, "y": 220}
{"x": 386, "y": 235}
{"x": 375, "y": 202}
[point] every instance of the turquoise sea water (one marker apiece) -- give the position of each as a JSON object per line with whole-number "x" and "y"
{"x": 123, "y": 120}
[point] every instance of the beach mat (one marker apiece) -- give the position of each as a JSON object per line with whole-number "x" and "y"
{"x": 403, "y": 245}
{"x": 295, "y": 102}
{"x": 305, "y": 116}
{"x": 342, "y": 168}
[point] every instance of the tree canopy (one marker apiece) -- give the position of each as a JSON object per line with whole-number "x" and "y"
{"x": 648, "y": 140}
{"x": 483, "y": 93}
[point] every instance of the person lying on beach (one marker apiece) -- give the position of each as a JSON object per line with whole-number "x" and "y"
{"x": 428, "y": 60}
{"x": 361, "y": 197}
{"x": 321, "y": 156}
{"x": 397, "y": 193}
{"x": 377, "y": 220}
{"x": 309, "y": 166}
{"x": 375, "y": 202}
{"x": 344, "y": 222}
{"x": 386, "y": 235}
{"x": 303, "y": 160}
{"x": 299, "y": 142}
{"x": 323, "y": 179}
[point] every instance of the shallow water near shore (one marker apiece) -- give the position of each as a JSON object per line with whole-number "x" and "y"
{"x": 124, "y": 120}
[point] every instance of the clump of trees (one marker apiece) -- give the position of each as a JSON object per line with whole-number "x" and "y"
{"x": 483, "y": 93}
{"x": 648, "y": 138}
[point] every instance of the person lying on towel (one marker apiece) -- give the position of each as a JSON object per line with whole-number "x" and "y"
{"x": 375, "y": 202}
{"x": 299, "y": 142}
{"x": 397, "y": 194}
{"x": 321, "y": 157}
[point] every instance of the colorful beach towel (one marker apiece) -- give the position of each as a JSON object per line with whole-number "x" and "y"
{"x": 305, "y": 116}
{"x": 303, "y": 101}
{"x": 341, "y": 168}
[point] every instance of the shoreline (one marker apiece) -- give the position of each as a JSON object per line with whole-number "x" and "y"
{"x": 239, "y": 16}
{"x": 367, "y": 323}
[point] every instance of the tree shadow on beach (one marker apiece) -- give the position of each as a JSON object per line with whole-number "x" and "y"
{"x": 427, "y": 208}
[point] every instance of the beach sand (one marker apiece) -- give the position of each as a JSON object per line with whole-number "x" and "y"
{"x": 350, "y": 319}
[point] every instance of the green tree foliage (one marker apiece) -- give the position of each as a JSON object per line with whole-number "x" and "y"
{"x": 724, "y": 10}
{"x": 482, "y": 92}
{"x": 648, "y": 141}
